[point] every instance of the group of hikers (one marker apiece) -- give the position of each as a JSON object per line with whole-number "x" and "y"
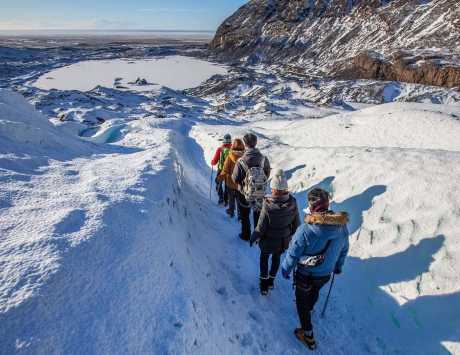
{"x": 315, "y": 250}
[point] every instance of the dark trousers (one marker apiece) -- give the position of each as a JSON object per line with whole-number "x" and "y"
{"x": 232, "y": 195}
{"x": 306, "y": 294}
{"x": 264, "y": 258}
{"x": 244, "y": 215}
{"x": 221, "y": 189}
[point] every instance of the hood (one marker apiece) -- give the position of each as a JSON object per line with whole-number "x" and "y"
{"x": 279, "y": 202}
{"x": 326, "y": 224}
{"x": 252, "y": 152}
{"x": 235, "y": 155}
{"x": 327, "y": 218}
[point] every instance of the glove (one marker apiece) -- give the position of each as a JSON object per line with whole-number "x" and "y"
{"x": 286, "y": 274}
{"x": 337, "y": 271}
{"x": 254, "y": 238}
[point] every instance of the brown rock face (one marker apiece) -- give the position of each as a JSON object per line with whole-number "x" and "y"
{"x": 329, "y": 38}
{"x": 412, "y": 67}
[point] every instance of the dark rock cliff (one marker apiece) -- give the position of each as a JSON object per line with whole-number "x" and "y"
{"x": 407, "y": 40}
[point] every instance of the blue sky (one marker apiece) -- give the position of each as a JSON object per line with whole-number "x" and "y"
{"x": 115, "y": 14}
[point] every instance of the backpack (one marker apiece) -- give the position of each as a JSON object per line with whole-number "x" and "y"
{"x": 255, "y": 184}
{"x": 223, "y": 155}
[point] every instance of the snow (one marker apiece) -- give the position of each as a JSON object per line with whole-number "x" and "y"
{"x": 110, "y": 245}
{"x": 402, "y": 194}
{"x": 86, "y": 75}
{"x": 377, "y": 126}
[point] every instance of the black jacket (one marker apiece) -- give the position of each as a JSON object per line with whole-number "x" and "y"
{"x": 252, "y": 157}
{"x": 278, "y": 221}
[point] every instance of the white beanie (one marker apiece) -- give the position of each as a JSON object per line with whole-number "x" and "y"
{"x": 279, "y": 181}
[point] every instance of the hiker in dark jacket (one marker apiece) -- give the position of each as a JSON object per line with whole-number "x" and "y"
{"x": 226, "y": 174}
{"x": 218, "y": 159}
{"x": 278, "y": 221}
{"x": 318, "y": 248}
{"x": 250, "y": 159}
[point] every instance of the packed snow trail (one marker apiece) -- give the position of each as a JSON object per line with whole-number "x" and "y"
{"x": 117, "y": 249}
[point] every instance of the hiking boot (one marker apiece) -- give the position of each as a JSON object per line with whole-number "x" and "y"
{"x": 271, "y": 283}
{"x": 263, "y": 284}
{"x": 307, "y": 338}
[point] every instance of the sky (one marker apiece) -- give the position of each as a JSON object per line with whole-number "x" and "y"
{"x": 196, "y": 15}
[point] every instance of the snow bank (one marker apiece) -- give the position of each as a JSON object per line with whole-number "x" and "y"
{"x": 55, "y": 193}
{"x": 398, "y": 125}
{"x": 19, "y": 122}
{"x": 23, "y": 129}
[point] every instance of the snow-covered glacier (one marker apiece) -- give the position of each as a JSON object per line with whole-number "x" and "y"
{"x": 109, "y": 243}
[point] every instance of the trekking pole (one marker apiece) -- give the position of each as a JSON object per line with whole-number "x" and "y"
{"x": 210, "y": 184}
{"x": 323, "y": 313}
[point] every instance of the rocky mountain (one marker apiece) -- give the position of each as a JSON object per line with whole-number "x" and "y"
{"x": 416, "y": 41}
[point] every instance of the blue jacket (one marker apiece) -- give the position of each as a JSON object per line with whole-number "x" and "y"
{"x": 311, "y": 239}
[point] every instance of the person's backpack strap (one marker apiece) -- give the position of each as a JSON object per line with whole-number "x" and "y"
{"x": 262, "y": 162}
{"x": 244, "y": 165}
{"x": 246, "y": 171}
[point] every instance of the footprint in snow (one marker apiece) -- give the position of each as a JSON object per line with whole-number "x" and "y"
{"x": 246, "y": 340}
{"x": 222, "y": 291}
{"x": 255, "y": 316}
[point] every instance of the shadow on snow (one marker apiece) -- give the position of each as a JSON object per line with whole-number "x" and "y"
{"x": 410, "y": 324}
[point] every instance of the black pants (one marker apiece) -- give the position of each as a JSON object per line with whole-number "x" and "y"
{"x": 244, "y": 215}
{"x": 221, "y": 189}
{"x": 264, "y": 257}
{"x": 306, "y": 294}
{"x": 232, "y": 195}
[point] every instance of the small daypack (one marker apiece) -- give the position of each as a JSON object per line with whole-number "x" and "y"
{"x": 223, "y": 155}
{"x": 255, "y": 184}
{"x": 315, "y": 260}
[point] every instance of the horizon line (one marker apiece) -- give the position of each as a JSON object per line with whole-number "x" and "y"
{"x": 106, "y": 30}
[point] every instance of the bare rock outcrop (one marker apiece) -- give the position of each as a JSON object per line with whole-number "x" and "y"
{"x": 335, "y": 38}
{"x": 428, "y": 68}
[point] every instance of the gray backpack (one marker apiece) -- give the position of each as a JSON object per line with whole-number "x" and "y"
{"x": 255, "y": 184}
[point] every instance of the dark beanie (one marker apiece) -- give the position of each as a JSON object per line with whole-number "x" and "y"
{"x": 318, "y": 199}
{"x": 250, "y": 139}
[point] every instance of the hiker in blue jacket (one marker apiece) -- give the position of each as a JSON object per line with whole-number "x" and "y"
{"x": 318, "y": 248}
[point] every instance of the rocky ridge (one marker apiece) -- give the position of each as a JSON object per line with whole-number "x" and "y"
{"x": 416, "y": 41}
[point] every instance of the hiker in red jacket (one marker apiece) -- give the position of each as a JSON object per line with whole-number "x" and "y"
{"x": 219, "y": 158}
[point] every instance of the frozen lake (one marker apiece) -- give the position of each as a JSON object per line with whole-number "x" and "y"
{"x": 175, "y": 72}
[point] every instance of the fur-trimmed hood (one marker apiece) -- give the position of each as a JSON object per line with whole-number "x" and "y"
{"x": 328, "y": 218}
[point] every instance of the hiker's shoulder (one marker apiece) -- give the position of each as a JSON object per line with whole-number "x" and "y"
{"x": 292, "y": 199}
{"x": 303, "y": 230}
